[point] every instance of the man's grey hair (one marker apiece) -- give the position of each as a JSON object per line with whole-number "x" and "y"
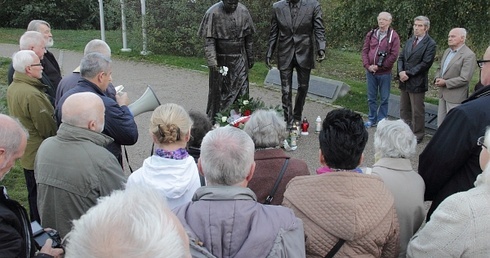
{"x": 227, "y": 155}
{"x": 266, "y": 128}
{"x": 131, "y": 223}
{"x": 93, "y": 64}
{"x": 463, "y": 33}
{"x": 81, "y": 108}
{"x": 22, "y": 59}
{"x": 30, "y": 39}
{"x": 11, "y": 133}
{"x": 424, "y": 19}
{"x": 388, "y": 15}
{"x": 394, "y": 139}
{"x": 97, "y": 46}
{"x": 34, "y": 25}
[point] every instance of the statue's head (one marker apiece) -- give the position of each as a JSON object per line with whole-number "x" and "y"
{"x": 230, "y": 5}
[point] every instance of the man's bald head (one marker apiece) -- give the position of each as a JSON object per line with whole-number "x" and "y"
{"x": 84, "y": 110}
{"x": 97, "y": 46}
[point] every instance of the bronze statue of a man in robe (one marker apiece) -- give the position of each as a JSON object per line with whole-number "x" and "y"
{"x": 227, "y": 28}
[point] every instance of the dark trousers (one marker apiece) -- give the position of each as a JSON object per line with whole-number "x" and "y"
{"x": 32, "y": 194}
{"x": 286, "y": 88}
{"x": 412, "y": 111}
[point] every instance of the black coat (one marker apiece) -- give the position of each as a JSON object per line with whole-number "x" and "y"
{"x": 15, "y": 230}
{"x": 416, "y": 63}
{"x": 450, "y": 162}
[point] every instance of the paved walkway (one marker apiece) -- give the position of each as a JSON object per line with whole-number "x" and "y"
{"x": 189, "y": 89}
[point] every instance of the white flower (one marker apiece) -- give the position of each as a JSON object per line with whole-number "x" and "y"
{"x": 223, "y": 119}
{"x": 245, "y": 102}
{"x": 223, "y": 70}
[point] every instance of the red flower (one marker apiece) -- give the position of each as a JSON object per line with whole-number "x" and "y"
{"x": 247, "y": 112}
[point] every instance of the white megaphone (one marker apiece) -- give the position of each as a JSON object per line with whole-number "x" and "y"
{"x": 147, "y": 102}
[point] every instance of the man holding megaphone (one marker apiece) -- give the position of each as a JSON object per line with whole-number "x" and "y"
{"x": 96, "y": 72}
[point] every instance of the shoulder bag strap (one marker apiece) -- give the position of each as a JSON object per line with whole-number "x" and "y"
{"x": 269, "y": 198}
{"x": 335, "y": 248}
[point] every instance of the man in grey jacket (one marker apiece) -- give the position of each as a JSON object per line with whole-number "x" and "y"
{"x": 73, "y": 169}
{"x": 224, "y": 218}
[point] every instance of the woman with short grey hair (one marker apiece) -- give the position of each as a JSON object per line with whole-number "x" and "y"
{"x": 268, "y": 131}
{"x": 395, "y": 144}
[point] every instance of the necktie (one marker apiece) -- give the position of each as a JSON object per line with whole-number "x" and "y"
{"x": 294, "y": 11}
{"x": 415, "y": 42}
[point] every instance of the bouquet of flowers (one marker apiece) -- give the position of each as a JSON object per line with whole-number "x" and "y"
{"x": 239, "y": 112}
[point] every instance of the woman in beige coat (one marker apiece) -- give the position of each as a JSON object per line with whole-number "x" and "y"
{"x": 344, "y": 204}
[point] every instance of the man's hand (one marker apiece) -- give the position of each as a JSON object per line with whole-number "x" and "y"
{"x": 55, "y": 252}
{"x": 373, "y": 68}
{"x": 321, "y": 56}
{"x": 403, "y": 76}
{"x": 268, "y": 63}
{"x": 440, "y": 82}
{"x": 122, "y": 99}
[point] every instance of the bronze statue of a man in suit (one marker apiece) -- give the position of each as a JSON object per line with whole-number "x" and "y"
{"x": 297, "y": 30}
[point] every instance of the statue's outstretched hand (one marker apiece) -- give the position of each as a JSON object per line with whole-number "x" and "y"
{"x": 321, "y": 56}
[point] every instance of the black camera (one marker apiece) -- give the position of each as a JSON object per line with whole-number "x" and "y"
{"x": 381, "y": 59}
{"x": 41, "y": 236}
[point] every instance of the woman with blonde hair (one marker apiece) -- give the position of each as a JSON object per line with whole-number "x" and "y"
{"x": 170, "y": 170}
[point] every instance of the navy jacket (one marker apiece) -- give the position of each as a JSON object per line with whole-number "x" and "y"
{"x": 119, "y": 122}
{"x": 450, "y": 162}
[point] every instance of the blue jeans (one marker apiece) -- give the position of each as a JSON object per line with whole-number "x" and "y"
{"x": 382, "y": 84}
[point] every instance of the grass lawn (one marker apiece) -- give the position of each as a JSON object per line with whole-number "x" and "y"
{"x": 341, "y": 64}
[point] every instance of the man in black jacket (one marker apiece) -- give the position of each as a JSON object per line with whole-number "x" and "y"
{"x": 50, "y": 65}
{"x": 15, "y": 231}
{"x": 414, "y": 63}
{"x": 450, "y": 162}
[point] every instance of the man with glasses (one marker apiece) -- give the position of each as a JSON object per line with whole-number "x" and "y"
{"x": 453, "y": 76}
{"x": 27, "y": 102}
{"x": 450, "y": 162}
{"x": 33, "y": 40}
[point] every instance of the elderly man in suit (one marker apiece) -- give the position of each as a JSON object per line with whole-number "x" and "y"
{"x": 454, "y": 74}
{"x": 297, "y": 29}
{"x": 414, "y": 63}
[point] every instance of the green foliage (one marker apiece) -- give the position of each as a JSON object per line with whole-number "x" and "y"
{"x": 354, "y": 18}
{"x": 61, "y": 14}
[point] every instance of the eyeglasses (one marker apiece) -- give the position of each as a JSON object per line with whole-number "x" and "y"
{"x": 481, "y": 62}
{"x": 36, "y": 64}
{"x": 481, "y": 141}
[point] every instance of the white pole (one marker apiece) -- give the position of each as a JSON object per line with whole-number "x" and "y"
{"x": 102, "y": 26}
{"x": 143, "y": 26}
{"x": 123, "y": 22}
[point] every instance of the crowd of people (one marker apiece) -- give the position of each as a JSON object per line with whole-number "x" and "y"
{"x": 227, "y": 192}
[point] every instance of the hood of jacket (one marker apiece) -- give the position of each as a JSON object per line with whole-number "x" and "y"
{"x": 174, "y": 177}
